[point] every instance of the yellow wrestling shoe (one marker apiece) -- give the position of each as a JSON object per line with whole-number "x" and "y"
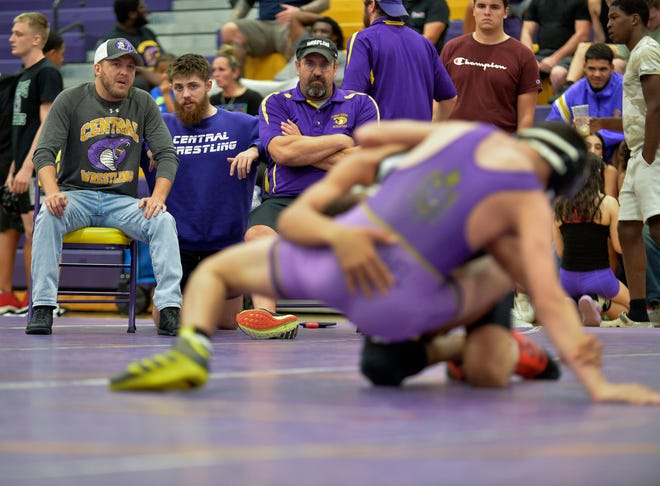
{"x": 263, "y": 324}
{"x": 183, "y": 367}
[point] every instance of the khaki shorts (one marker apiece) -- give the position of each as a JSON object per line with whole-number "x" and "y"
{"x": 639, "y": 196}
{"x": 265, "y": 37}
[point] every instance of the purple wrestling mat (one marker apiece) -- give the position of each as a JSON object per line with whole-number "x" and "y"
{"x": 299, "y": 413}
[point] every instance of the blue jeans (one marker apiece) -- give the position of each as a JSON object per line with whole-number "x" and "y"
{"x": 96, "y": 208}
{"x": 652, "y": 268}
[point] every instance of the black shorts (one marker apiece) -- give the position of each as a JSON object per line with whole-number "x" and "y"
{"x": 189, "y": 261}
{"x": 10, "y": 221}
{"x": 268, "y": 211}
{"x": 499, "y": 315}
{"x": 26, "y": 200}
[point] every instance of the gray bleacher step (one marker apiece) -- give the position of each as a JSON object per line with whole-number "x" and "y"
{"x": 200, "y": 4}
{"x": 78, "y": 70}
{"x": 204, "y": 44}
{"x": 191, "y": 26}
{"x": 188, "y": 21}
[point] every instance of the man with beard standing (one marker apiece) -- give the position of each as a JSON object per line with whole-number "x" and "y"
{"x": 131, "y": 25}
{"x": 103, "y": 125}
{"x": 305, "y": 131}
{"x": 218, "y": 156}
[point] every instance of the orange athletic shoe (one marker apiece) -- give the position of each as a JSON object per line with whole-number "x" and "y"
{"x": 534, "y": 362}
{"x": 455, "y": 371}
{"x": 263, "y": 324}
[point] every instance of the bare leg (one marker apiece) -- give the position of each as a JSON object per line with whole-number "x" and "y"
{"x": 489, "y": 357}
{"x": 558, "y": 78}
{"x": 228, "y": 318}
{"x": 8, "y": 245}
{"x": 634, "y": 257}
{"x": 255, "y": 233}
{"x": 231, "y": 272}
{"x": 233, "y": 36}
{"x": 28, "y": 223}
{"x": 619, "y": 303}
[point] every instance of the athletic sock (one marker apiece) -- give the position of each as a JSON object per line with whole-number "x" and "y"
{"x": 203, "y": 338}
{"x": 637, "y": 310}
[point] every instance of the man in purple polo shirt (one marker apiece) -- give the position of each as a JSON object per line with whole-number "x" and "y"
{"x": 305, "y": 131}
{"x": 398, "y": 67}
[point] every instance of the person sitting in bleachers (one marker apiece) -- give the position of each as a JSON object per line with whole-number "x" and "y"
{"x": 560, "y": 26}
{"x": 318, "y": 26}
{"x": 270, "y": 32}
{"x": 226, "y": 72}
{"x": 163, "y": 92}
{"x": 429, "y": 18}
{"x": 131, "y": 25}
{"x": 601, "y": 89}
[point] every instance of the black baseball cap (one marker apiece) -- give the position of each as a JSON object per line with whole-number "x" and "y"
{"x": 320, "y": 45}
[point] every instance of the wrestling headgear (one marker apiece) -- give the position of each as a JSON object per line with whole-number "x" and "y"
{"x": 565, "y": 152}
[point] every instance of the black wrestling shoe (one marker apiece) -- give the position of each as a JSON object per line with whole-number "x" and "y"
{"x": 42, "y": 320}
{"x": 169, "y": 321}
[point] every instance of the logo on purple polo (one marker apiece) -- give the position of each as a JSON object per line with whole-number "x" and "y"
{"x": 109, "y": 154}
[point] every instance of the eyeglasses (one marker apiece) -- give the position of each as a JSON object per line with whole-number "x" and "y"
{"x": 311, "y": 66}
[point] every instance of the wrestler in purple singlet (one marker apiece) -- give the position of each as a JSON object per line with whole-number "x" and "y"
{"x": 428, "y": 206}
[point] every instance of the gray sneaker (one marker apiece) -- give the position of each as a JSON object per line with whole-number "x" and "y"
{"x": 42, "y": 321}
{"x": 169, "y": 321}
{"x": 654, "y": 314}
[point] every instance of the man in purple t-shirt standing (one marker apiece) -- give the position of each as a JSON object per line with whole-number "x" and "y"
{"x": 305, "y": 131}
{"x": 397, "y": 66}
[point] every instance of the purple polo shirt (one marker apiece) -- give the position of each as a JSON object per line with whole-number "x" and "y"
{"x": 342, "y": 113}
{"x": 399, "y": 68}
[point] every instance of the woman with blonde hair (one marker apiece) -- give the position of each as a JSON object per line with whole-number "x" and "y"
{"x": 226, "y": 71}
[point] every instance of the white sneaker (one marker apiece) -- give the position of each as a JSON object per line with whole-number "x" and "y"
{"x": 589, "y": 311}
{"x": 522, "y": 308}
{"x": 625, "y": 321}
{"x": 517, "y": 323}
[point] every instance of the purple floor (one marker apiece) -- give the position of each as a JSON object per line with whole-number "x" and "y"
{"x": 298, "y": 413}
